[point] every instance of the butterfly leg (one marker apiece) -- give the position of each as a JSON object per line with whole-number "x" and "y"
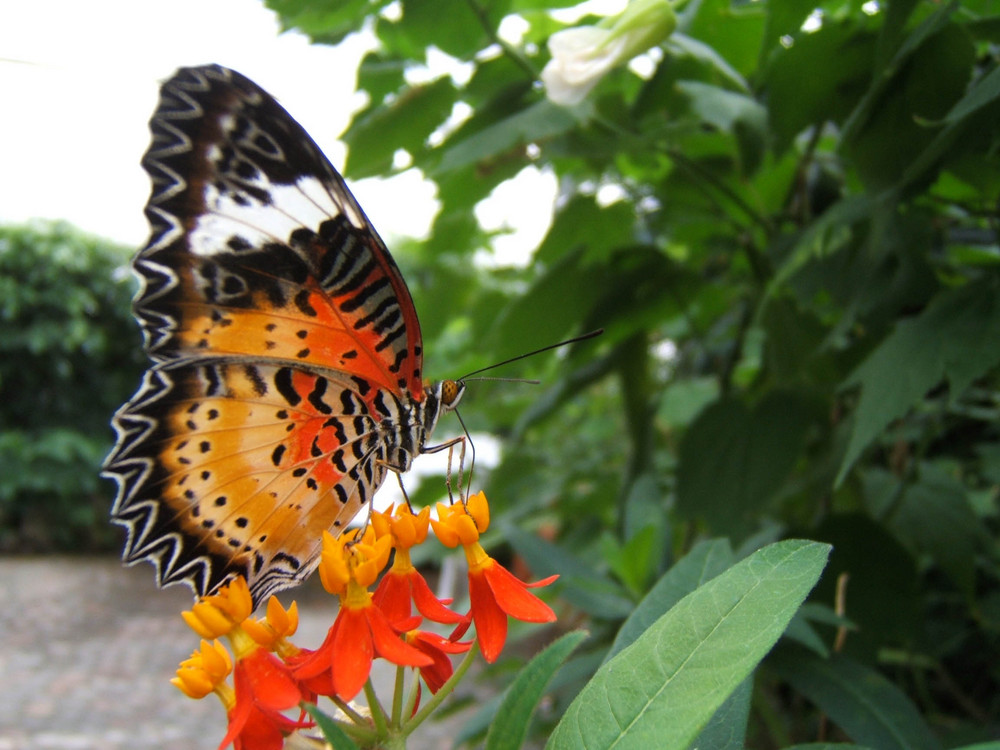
{"x": 399, "y": 479}
{"x": 450, "y": 446}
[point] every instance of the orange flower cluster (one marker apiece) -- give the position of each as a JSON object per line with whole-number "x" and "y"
{"x": 271, "y": 675}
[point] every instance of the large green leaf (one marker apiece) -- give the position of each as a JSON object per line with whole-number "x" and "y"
{"x": 705, "y": 561}
{"x": 663, "y": 689}
{"x": 832, "y": 91}
{"x": 326, "y": 23}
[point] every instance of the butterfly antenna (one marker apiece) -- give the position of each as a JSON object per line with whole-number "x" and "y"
{"x": 529, "y": 381}
{"x": 575, "y": 339}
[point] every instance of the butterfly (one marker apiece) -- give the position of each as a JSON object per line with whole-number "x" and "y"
{"x": 286, "y": 378}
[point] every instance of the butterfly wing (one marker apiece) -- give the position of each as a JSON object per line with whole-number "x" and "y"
{"x": 286, "y": 348}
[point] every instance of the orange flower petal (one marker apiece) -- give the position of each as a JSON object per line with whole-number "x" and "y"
{"x": 393, "y": 596}
{"x": 429, "y": 605}
{"x": 351, "y": 652}
{"x": 270, "y": 681}
{"x": 491, "y": 621}
{"x": 388, "y": 643}
{"x": 513, "y": 597}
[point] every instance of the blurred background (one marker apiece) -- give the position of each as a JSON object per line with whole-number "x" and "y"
{"x": 783, "y": 214}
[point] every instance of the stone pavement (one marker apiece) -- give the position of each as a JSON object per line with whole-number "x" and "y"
{"x": 87, "y": 648}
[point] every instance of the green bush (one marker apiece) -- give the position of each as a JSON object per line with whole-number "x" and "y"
{"x": 69, "y": 355}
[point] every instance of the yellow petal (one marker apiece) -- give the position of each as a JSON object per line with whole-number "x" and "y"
{"x": 479, "y": 509}
{"x": 445, "y": 534}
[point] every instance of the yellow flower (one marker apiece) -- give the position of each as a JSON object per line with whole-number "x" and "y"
{"x": 217, "y": 615}
{"x": 270, "y": 631}
{"x": 204, "y": 671}
{"x": 357, "y": 558}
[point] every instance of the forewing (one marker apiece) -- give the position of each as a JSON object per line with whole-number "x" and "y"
{"x": 258, "y": 248}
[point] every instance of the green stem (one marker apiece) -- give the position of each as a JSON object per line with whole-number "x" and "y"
{"x": 349, "y": 712}
{"x": 412, "y": 696}
{"x": 520, "y": 60}
{"x": 378, "y": 713}
{"x": 397, "y": 696}
{"x": 444, "y": 692}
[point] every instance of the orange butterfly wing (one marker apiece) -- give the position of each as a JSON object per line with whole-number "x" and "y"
{"x": 287, "y": 350}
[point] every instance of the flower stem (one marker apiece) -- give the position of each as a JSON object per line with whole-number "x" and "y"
{"x": 349, "y": 712}
{"x": 397, "y": 697}
{"x": 378, "y": 713}
{"x": 444, "y": 692}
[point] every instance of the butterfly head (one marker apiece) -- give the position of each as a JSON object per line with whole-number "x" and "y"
{"x": 451, "y": 393}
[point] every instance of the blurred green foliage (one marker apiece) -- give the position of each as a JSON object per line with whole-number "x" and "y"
{"x": 787, "y": 226}
{"x": 68, "y": 357}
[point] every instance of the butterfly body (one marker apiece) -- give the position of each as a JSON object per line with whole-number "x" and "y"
{"x": 287, "y": 353}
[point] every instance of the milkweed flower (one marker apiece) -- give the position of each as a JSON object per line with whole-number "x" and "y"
{"x": 583, "y": 55}
{"x": 263, "y": 686}
{"x": 403, "y": 583}
{"x": 494, "y": 592}
{"x": 219, "y": 614}
{"x": 341, "y": 665}
{"x": 205, "y": 671}
{"x": 264, "y": 689}
{"x": 273, "y": 630}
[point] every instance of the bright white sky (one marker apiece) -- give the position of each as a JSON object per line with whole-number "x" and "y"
{"x": 79, "y": 81}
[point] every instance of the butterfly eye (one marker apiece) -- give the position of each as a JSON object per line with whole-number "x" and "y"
{"x": 451, "y": 392}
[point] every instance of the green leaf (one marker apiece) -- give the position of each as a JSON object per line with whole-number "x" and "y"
{"x": 405, "y": 123}
{"x": 633, "y": 560}
{"x": 863, "y": 703}
{"x": 327, "y": 23}
{"x": 663, "y": 689}
{"x": 450, "y": 25}
{"x": 539, "y": 122}
{"x": 922, "y": 91}
{"x": 331, "y": 732}
{"x": 935, "y": 516}
{"x": 733, "y": 459}
{"x": 705, "y": 561}
{"x": 731, "y": 112}
{"x": 957, "y": 338}
{"x": 510, "y": 725}
{"x": 833, "y": 91}
{"x": 584, "y": 225}
{"x": 982, "y": 94}
{"x": 882, "y": 584}
{"x": 727, "y": 728}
